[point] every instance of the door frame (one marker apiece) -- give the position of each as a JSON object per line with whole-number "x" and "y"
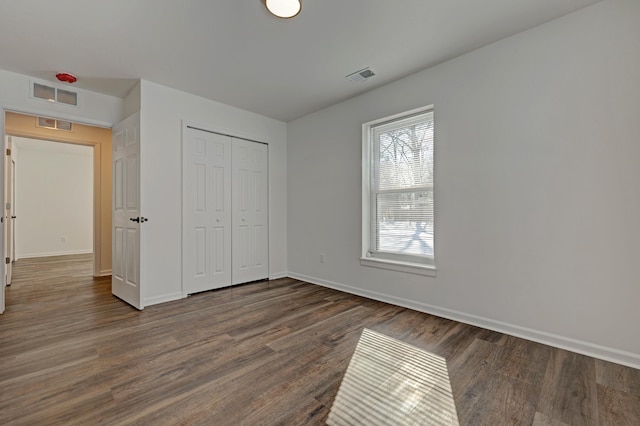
{"x": 51, "y": 114}
{"x": 9, "y": 222}
{"x": 97, "y": 188}
{"x": 233, "y": 133}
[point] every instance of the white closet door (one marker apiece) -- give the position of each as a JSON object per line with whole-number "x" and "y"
{"x": 206, "y": 211}
{"x": 250, "y": 206}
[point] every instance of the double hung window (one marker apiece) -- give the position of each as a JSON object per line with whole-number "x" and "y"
{"x": 398, "y": 219}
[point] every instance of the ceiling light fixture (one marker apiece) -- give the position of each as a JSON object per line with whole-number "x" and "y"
{"x": 284, "y": 8}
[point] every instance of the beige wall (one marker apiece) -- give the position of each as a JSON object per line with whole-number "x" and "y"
{"x": 100, "y": 139}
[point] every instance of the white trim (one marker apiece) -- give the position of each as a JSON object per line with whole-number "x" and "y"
{"x": 393, "y": 265}
{"x": 399, "y": 115}
{"x": 585, "y": 348}
{"x": 58, "y": 116}
{"x": 55, "y": 253}
{"x": 278, "y": 275}
{"x": 156, "y": 300}
{"x": 105, "y": 273}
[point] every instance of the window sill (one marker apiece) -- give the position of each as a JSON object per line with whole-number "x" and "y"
{"x": 411, "y": 268}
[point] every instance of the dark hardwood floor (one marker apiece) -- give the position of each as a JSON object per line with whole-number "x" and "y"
{"x": 269, "y": 353}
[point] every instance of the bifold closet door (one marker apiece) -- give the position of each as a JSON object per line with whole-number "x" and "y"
{"x": 250, "y": 206}
{"x": 206, "y": 248}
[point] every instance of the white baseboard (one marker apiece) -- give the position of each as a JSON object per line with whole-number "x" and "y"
{"x": 50, "y": 254}
{"x": 278, "y": 275}
{"x": 596, "y": 351}
{"x": 104, "y": 273}
{"x": 162, "y": 299}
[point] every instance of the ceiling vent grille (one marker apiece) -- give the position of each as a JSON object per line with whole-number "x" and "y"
{"x": 53, "y": 94}
{"x": 360, "y": 76}
{"x": 52, "y": 123}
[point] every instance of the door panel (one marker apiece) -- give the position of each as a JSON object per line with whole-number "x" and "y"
{"x": 260, "y": 236}
{"x": 206, "y": 211}
{"x": 125, "y": 281}
{"x": 250, "y": 221}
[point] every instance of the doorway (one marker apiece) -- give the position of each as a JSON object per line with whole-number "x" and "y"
{"x": 94, "y": 142}
{"x": 51, "y": 204}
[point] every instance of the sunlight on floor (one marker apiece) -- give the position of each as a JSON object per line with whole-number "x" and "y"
{"x": 389, "y": 382}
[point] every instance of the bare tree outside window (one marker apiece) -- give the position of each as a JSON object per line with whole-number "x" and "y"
{"x": 402, "y": 187}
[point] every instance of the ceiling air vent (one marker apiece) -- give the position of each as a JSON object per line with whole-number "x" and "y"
{"x": 53, "y": 94}
{"x": 360, "y": 76}
{"x": 67, "y": 97}
{"x": 52, "y": 123}
{"x": 41, "y": 91}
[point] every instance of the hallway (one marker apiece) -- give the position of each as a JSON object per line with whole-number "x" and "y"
{"x": 42, "y": 284}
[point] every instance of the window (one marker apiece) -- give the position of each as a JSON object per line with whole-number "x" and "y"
{"x": 397, "y": 180}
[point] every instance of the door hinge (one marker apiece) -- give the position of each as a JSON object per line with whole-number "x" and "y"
{"x": 8, "y": 151}
{"x": 7, "y": 260}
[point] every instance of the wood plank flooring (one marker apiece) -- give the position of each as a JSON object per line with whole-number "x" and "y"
{"x": 269, "y": 353}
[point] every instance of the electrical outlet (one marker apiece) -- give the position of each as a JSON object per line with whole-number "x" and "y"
{"x": 321, "y": 257}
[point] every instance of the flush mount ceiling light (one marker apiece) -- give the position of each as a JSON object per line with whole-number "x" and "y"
{"x": 284, "y": 8}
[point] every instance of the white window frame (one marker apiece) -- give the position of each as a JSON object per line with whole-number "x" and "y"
{"x": 393, "y": 262}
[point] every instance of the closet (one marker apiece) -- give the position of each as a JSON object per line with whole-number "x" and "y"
{"x": 225, "y": 239}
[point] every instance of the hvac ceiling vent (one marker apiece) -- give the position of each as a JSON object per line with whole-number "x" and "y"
{"x": 53, "y": 94}
{"x": 360, "y": 76}
{"x": 52, "y": 123}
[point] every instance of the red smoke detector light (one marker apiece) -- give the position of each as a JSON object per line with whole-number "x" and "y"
{"x": 67, "y": 78}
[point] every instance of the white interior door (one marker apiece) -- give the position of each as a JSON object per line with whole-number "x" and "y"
{"x": 126, "y": 219}
{"x": 250, "y": 206}
{"x": 206, "y": 253}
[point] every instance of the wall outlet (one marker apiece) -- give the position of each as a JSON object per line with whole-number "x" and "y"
{"x": 63, "y": 239}
{"x": 321, "y": 257}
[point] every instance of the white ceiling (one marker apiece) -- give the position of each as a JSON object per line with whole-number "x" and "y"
{"x": 234, "y": 52}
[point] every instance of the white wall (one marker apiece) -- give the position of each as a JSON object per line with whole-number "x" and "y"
{"x": 537, "y": 186}
{"x": 94, "y": 108}
{"x": 162, "y": 112}
{"x": 132, "y": 101}
{"x": 54, "y": 198}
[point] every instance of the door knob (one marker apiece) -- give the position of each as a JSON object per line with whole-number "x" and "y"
{"x": 134, "y": 219}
